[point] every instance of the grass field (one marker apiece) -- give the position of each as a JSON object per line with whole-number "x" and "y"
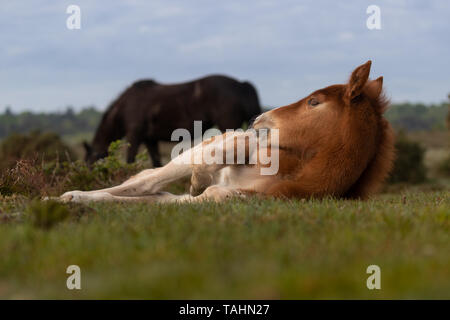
{"x": 264, "y": 249}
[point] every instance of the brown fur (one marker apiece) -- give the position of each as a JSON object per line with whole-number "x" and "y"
{"x": 342, "y": 147}
{"x": 334, "y": 142}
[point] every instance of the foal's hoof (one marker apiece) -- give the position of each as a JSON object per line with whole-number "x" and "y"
{"x": 72, "y": 196}
{"x": 83, "y": 196}
{"x": 50, "y": 199}
{"x": 199, "y": 182}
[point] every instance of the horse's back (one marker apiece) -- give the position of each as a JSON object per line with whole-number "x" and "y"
{"x": 157, "y": 109}
{"x": 214, "y": 100}
{"x": 234, "y": 102}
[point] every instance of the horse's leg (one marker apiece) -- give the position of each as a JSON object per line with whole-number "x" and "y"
{"x": 200, "y": 180}
{"x": 134, "y": 139}
{"x": 159, "y": 197}
{"x": 153, "y": 180}
{"x": 147, "y": 182}
{"x": 212, "y": 193}
{"x": 132, "y": 151}
{"x": 215, "y": 193}
{"x": 152, "y": 147}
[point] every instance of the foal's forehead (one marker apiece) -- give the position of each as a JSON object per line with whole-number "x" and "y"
{"x": 334, "y": 91}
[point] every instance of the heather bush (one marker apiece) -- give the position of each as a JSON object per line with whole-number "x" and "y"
{"x": 36, "y": 147}
{"x": 38, "y": 178}
{"x": 409, "y": 163}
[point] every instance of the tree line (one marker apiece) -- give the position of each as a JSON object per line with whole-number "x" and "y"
{"x": 405, "y": 116}
{"x": 63, "y": 123}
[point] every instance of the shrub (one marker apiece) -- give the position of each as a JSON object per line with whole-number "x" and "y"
{"x": 409, "y": 165}
{"x": 25, "y": 178}
{"x": 103, "y": 173}
{"x": 35, "y": 178}
{"x": 444, "y": 167}
{"x": 35, "y": 146}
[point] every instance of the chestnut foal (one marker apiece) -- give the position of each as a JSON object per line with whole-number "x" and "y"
{"x": 334, "y": 142}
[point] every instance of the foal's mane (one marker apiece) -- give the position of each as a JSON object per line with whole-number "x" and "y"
{"x": 380, "y": 165}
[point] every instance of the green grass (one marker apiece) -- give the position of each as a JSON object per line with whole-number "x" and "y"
{"x": 264, "y": 249}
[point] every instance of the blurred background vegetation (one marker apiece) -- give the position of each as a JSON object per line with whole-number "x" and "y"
{"x": 70, "y": 124}
{"x": 52, "y": 141}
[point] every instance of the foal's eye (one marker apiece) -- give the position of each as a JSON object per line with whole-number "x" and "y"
{"x": 313, "y": 102}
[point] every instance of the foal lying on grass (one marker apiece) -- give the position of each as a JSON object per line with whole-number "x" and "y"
{"x": 334, "y": 142}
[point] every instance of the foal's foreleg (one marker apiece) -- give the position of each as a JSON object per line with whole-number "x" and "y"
{"x": 195, "y": 160}
{"x": 152, "y": 181}
{"x": 212, "y": 193}
{"x": 145, "y": 183}
{"x": 159, "y": 197}
{"x": 229, "y": 149}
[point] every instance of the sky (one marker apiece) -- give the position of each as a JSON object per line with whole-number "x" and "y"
{"x": 287, "y": 49}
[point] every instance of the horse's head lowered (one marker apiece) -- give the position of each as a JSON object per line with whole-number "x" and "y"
{"x": 336, "y": 140}
{"x": 92, "y": 154}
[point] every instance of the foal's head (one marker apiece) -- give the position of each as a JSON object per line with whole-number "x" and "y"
{"x": 336, "y": 139}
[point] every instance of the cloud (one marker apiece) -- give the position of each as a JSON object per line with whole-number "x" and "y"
{"x": 214, "y": 43}
{"x": 346, "y": 36}
{"x": 285, "y": 48}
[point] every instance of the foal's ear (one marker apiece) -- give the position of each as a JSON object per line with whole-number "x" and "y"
{"x": 374, "y": 87}
{"x": 357, "y": 80}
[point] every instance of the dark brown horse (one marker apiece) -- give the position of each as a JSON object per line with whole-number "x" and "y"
{"x": 148, "y": 112}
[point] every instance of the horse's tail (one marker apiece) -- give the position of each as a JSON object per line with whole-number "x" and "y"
{"x": 251, "y": 100}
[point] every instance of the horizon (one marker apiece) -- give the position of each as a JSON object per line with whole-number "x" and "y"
{"x": 76, "y": 110}
{"x": 285, "y": 49}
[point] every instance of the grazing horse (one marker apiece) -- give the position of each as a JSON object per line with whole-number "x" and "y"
{"x": 148, "y": 112}
{"x": 334, "y": 142}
